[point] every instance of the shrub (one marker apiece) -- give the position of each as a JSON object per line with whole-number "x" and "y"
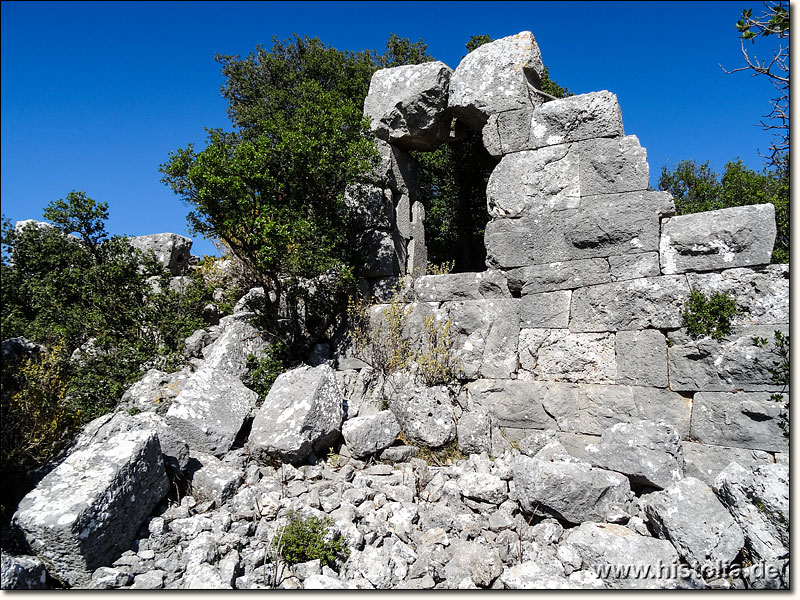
{"x": 712, "y": 315}
{"x": 437, "y": 363}
{"x": 262, "y": 372}
{"x": 305, "y": 539}
{"x": 779, "y": 371}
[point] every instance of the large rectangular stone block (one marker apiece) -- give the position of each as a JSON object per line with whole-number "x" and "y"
{"x": 634, "y": 266}
{"x": 548, "y": 310}
{"x": 730, "y": 364}
{"x": 576, "y": 118}
{"x": 741, "y": 236}
{"x": 705, "y": 461}
{"x": 559, "y": 355}
{"x": 461, "y": 286}
{"x": 87, "y": 511}
{"x": 566, "y": 275}
{"x": 642, "y": 358}
{"x": 652, "y": 302}
{"x": 740, "y": 420}
{"x": 512, "y": 403}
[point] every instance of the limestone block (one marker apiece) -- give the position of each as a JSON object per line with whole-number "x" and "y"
{"x": 652, "y": 302}
{"x": 689, "y": 515}
{"x": 567, "y": 275}
{"x": 705, "y": 461}
{"x": 494, "y": 78}
{"x": 508, "y": 131}
{"x": 741, "y": 236}
{"x": 559, "y": 355}
{"x": 171, "y": 250}
{"x": 417, "y": 251}
{"x": 512, "y": 403}
{"x": 761, "y": 294}
{"x": 549, "y": 310}
{"x": 407, "y": 105}
{"x": 369, "y": 434}
{"x": 485, "y": 334}
{"x": 576, "y": 118}
{"x": 611, "y": 166}
{"x": 369, "y": 207}
{"x": 212, "y": 479}
{"x": 642, "y": 358}
{"x": 302, "y": 413}
{"x": 379, "y": 251}
{"x": 402, "y": 215}
{"x": 237, "y": 340}
{"x": 743, "y": 420}
{"x": 102, "y": 494}
{"x": 730, "y": 364}
{"x": 425, "y": 414}
{"x": 22, "y": 573}
{"x": 461, "y": 286}
{"x": 634, "y": 266}
{"x": 397, "y": 170}
{"x": 474, "y": 432}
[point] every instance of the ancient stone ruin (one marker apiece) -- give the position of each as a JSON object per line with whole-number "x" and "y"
{"x": 599, "y": 434}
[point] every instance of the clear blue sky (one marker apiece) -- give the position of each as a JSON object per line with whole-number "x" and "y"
{"x": 96, "y": 94}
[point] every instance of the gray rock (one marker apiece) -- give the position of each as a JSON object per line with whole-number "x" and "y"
{"x": 203, "y": 576}
{"x": 483, "y": 487}
{"x": 548, "y": 310}
{"x": 642, "y": 358}
{"x": 417, "y": 261}
{"x": 705, "y": 462}
{"x": 425, "y": 414}
{"x": 407, "y": 105}
{"x": 689, "y": 515}
{"x": 369, "y": 207}
{"x": 648, "y": 452}
{"x": 194, "y": 344}
{"x": 323, "y": 582}
{"x": 634, "y": 266}
{"x": 397, "y": 170}
{"x": 560, "y": 275}
{"x": 741, "y": 236}
{"x": 572, "y": 491}
{"x": 758, "y": 499}
{"x": 379, "y": 249}
{"x": 653, "y": 302}
{"x": 212, "y": 479}
{"x": 22, "y": 572}
{"x": 559, "y": 355}
{"x": 529, "y": 575}
{"x": 303, "y": 412}
{"x": 495, "y": 78}
{"x": 369, "y": 434}
{"x": 13, "y": 349}
{"x": 743, "y": 420}
{"x": 474, "y": 561}
{"x": 461, "y": 286}
{"x": 761, "y": 295}
{"x": 474, "y": 432}
{"x": 149, "y": 580}
{"x": 106, "y": 578}
{"x": 730, "y": 364}
{"x": 576, "y": 118}
{"x": 251, "y": 301}
{"x": 171, "y": 250}
{"x": 105, "y": 491}
{"x": 508, "y": 131}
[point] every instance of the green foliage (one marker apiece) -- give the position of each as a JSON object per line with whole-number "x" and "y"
{"x": 305, "y": 539}
{"x": 476, "y": 41}
{"x": 779, "y": 370}
{"x": 263, "y": 371}
{"x": 712, "y": 315}
{"x": 551, "y": 87}
{"x": 696, "y": 188}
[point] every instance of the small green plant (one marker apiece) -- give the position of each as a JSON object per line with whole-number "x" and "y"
{"x": 712, "y": 315}
{"x": 437, "y": 361}
{"x": 305, "y": 539}
{"x": 446, "y": 455}
{"x": 779, "y": 371}
{"x": 444, "y": 268}
{"x": 262, "y": 372}
{"x": 134, "y": 410}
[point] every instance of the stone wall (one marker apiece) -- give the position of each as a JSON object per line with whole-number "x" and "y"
{"x": 576, "y": 323}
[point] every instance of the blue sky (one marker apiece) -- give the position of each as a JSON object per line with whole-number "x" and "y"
{"x": 96, "y": 94}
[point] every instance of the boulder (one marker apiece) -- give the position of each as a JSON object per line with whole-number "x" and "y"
{"x": 560, "y": 355}
{"x": 371, "y": 433}
{"x": 758, "y": 499}
{"x": 86, "y": 512}
{"x": 495, "y": 78}
{"x": 171, "y": 250}
{"x": 425, "y": 414}
{"x": 22, "y": 573}
{"x": 743, "y": 420}
{"x": 302, "y": 414}
{"x": 705, "y": 461}
{"x": 653, "y": 302}
{"x": 474, "y": 432}
{"x": 572, "y": 491}
{"x": 741, "y": 236}
{"x": 13, "y": 349}
{"x": 473, "y": 561}
{"x": 529, "y": 575}
{"x": 576, "y": 118}
{"x": 689, "y": 515}
{"x": 407, "y": 105}
{"x": 483, "y": 487}
{"x": 461, "y": 286}
{"x": 155, "y": 391}
{"x": 369, "y": 207}
{"x": 647, "y": 452}
{"x": 378, "y": 248}
{"x": 212, "y": 479}
{"x": 641, "y": 358}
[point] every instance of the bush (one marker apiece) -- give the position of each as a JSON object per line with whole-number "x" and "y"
{"x": 779, "y": 371}
{"x": 305, "y": 539}
{"x": 709, "y": 315}
{"x": 262, "y": 372}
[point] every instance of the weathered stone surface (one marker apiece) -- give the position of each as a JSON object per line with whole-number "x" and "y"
{"x": 369, "y": 207}
{"x": 22, "y": 573}
{"x": 611, "y": 166}
{"x": 212, "y": 479}
{"x": 237, "y": 340}
{"x": 302, "y": 413}
{"x": 473, "y": 561}
{"x": 461, "y": 286}
{"x": 576, "y": 118}
{"x": 494, "y": 78}
{"x": 572, "y": 491}
{"x": 474, "y": 432}
{"x": 369, "y": 434}
{"x": 741, "y": 236}
{"x": 425, "y": 414}
{"x": 730, "y": 364}
{"x": 529, "y": 575}
{"x": 690, "y": 516}
{"x": 654, "y": 302}
{"x": 483, "y": 487}
{"x": 758, "y": 499}
{"x": 379, "y": 249}
{"x": 508, "y": 131}
{"x": 705, "y": 461}
{"x": 642, "y": 358}
{"x": 102, "y": 493}
{"x": 743, "y": 420}
{"x": 485, "y": 335}
{"x": 417, "y": 260}
{"x": 155, "y": 390}
{"x": 648, "y": 452}
{"x": 545, "y": 310}
{"x": 397, "y": 169}
{"x": 407, "y": 105}
{"x": 559, "y": 275}
{"x": 559, "y": 355}
{"x": 762, "y": 294}
{"x": 170, "y": 249}
{"x": 634, "y": 266}
{"x": 13, "y": 349}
